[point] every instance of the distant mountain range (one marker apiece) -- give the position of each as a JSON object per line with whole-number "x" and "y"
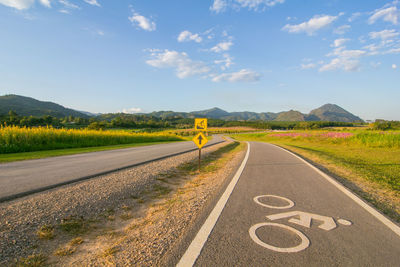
{"x": 327, "y": 112}
{"x": 27, "y": 106}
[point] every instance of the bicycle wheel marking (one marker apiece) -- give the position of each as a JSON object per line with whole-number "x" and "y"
{"x": 305, "y": 242}
{"x": 290, "y": 205}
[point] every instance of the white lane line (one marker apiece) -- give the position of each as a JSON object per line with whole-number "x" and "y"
{"x": 193, "y": 251}
{"x": 351, "y": 195}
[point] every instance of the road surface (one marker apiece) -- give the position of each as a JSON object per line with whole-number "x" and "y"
{"x": 25, "y": 177}
{"x": 283, "y": 212}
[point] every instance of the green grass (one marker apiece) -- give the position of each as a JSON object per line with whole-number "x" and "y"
{"x": 34, "y": 260}
{"x": 46, "y": 232}
{"x": 372, "y": 156}
{"x": 212, "y": 161}
{"x": 74, "y": 226}
{"x": 70, "y": 151}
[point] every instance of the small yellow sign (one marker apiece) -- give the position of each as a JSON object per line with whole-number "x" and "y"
{"x": 200, "y": 140}
{"x": 200, "y": 124}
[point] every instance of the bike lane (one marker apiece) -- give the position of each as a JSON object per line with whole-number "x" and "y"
{"x": 310, "y": 222}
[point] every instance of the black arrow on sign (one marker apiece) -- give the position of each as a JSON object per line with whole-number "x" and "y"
{"x": 200, "y": 138}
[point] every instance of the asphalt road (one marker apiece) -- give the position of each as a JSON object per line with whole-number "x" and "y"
{"x": 25, "y": 177}
{"x": 311, "y": 222}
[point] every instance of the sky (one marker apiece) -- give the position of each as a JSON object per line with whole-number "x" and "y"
{"x": 185, "y": 55}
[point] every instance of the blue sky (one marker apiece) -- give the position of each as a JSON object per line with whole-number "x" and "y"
{"x": 185, "y": 55}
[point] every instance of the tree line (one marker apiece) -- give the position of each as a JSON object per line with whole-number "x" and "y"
{"x": 149, "y": 122}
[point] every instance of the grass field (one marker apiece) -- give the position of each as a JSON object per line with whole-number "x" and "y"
{"x": 15, "y": 139}
{"x": 368, "y": 159}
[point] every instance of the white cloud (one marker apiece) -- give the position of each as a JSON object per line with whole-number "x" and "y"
{"x": 342, "y": 52}
{"x": 223, "y": 46}
{"x": 243, "y": 75}
{"x": 339, "y": 42}
{"x": 18, "y": 4}
{"x": 373, "y": 49}
{"x": 227, "y": 61}
{"x": 342, "y": 29}
{"x": 142, "y": 22}
{"x": 341, "y": 63}
{"x": 65, "y": 11}
{"x": 347, "y": 60}
{"x": 46, "y": 3}
{"x": 131, "y": 110}
{"x": 389, "y": 14}
{"x": 68, "y": 4}
{"x": 186, "y": 36}
{"x": 310, "y": 27}
{"x": 219, "y": 6}
{"x": 394, "y": 66}
{"x": 254, "y": 4}
{"x": 180, "y": 61}
{"x": 393, "y": 51}
{"x": 308, "y": 66}
{"x": 384, "y": 35}
{"x": 354, "y": 16}
{"x": 92, "y": 2}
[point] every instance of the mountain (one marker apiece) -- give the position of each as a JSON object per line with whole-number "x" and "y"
{"x": 332, "y": 112}
{"x": 27, "y": 106}
{"x": 291, "y": 115}
{"x": 214, "y": 113}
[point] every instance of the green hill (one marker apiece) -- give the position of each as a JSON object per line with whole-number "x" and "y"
{"x": 291, "y": 115}
{"x": 27, "y": 106}
{"x": 332, "y": 112}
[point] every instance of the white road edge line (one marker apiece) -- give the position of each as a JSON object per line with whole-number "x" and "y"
{"x": 351, "y": 195}
{"x": 193, "y": 251}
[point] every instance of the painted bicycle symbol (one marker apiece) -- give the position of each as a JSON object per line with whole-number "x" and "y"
{"x": 296, "y": 217}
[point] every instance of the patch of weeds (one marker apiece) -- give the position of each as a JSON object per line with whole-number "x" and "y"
{"x": 126, "y": 216}
{"x": 65, "y": 251}
{"x": 111, "y": 217}
{"x": 70, "y": 248}
{"x": 126, "y": 207}
{"x": 110, "y": 211}
{"x": 46, "y": 232}
{"x": 109, "y": 252}
{"x": 76, "y": 241}
{"x": 171, "y": 202}
{"x": 34, "y": 260}
{"x": 113, "y": 234}
{"x": 138, "y": 224}
{"x": 160, "y": 190}
{"x": 133, "y": 196}
{"x": 140, "y": 201}
{"x": 181, "y": 192}
{"x": 74, "y": 225}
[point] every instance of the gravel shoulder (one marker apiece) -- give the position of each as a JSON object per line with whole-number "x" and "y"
{"x": 130, "y": 217}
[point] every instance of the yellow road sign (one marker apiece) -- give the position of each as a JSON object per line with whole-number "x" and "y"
{"x": 200, "y": 124}
{"x": 200, "y": 140}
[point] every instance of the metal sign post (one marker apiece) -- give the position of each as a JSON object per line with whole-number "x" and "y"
{"x": 200, "y": 140}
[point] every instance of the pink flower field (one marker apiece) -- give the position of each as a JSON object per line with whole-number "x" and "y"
{"x": 326, "y": 135}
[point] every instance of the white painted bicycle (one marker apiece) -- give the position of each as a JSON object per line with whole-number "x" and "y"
{"x": 303, "y": 219}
